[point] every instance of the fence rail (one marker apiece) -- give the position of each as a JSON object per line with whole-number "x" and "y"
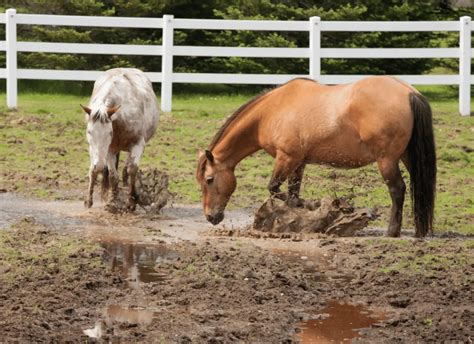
{"x": 314, "y": 53}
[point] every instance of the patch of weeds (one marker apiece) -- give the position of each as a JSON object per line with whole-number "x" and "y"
{"x": 190, "y": 268}
{"x": 31, "y": 251}
{"x": 469, "y": 244}
{"x": 426, "y": 264}
{"x": 435, "y": 243}
{"x": 428, "y": 322}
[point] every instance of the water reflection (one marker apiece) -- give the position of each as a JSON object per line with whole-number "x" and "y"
{"x": 338, "y": 323}
{"x": 139, "y": 263}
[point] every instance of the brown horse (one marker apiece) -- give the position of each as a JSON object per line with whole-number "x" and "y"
{"x": 377, "y": 119}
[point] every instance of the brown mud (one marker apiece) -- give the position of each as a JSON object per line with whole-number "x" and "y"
{"x": 328, "y": 216}
{"x": 152, "y": 193}
{"x": 169, "y": 278}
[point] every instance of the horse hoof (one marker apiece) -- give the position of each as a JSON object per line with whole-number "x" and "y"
{"x": 131, "y": 207}
{"x": 112, "y": 207}
{"x": 88, "y": 203}
{"x": 393, "y": 233}
{"x": 294, "y": 202}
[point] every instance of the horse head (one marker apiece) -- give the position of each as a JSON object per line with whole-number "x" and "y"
{"x": 99, "y": 134}
{"x": 217, "y": 182}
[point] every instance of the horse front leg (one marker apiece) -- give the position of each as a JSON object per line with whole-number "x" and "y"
{"x": 392, "y": 176}
{"x": 294, "y": 186}
{"x": 285, "y": 165}
{"x": 112, "y": 164}
{"x": 125, "y": 171}
{"x": 132, "y": 169}
{"x": 90, "y": 194}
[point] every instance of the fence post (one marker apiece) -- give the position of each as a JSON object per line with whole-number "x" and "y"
{"x": 167, "y": 64}
{"x": 315, "y": 48}
{"x": 465, "y": 66}
{"x": 10, "y": 34}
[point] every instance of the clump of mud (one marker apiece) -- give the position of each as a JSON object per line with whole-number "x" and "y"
{"x": 328, "y": 216}
{"x": 152, "y": 189}
{"x": 152, "y": 193}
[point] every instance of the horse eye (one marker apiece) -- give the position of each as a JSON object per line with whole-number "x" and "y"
{"x": 209, "y": 180}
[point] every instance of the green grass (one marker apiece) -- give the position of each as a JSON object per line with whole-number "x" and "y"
{"x": 434, "y": 255}
{"x": 43, "y": 152}
{"x": 30, "y": 250}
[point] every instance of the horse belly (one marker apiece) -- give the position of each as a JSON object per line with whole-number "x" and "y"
{"x": 345, "y": 153}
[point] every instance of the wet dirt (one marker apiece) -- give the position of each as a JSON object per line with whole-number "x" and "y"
{"x": 168, "y": 278}
{"x": 338, "y": 323}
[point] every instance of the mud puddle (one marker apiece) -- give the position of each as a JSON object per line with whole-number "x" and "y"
{"x": 138, "y": 263}
{"x": 174, "y": 223}
{"x": 54, "y": 214}
{"x": 338, "y": 323}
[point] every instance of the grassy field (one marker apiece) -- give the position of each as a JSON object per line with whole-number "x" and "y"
{"x": 43, "y": 152}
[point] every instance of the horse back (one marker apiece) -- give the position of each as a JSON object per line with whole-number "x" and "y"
{"x": 345, "y": 125}
{"x": 130, "y": 89}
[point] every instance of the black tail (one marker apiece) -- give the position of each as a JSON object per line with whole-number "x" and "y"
{"x": 422, "y": 165}
{"x": 106, "y": 181}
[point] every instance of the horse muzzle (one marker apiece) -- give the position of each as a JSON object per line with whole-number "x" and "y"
{"x": 215, "y": 219}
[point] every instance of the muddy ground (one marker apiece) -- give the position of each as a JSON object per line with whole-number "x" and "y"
{"x": 173, "y": 278}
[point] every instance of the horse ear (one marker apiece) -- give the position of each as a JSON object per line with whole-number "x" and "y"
{"x": 200, "y": 153}
{"x": 86, "y": 109}
{"x": 209, "y": 156}
{"x": 112, "y": 110}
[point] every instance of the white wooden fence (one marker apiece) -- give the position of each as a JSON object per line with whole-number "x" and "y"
{"x": 315, "y": 27}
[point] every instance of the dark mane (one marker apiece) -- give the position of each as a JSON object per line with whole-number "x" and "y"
{"x": 233, "y": 117}
{"x": 228, "y": 122}
{"x": 241, "y": 109}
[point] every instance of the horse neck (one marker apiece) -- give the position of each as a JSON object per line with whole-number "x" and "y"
{"x": 238, "y": 141}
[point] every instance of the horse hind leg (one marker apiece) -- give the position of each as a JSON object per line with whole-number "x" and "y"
{"x": 392, "y": 176}
{"x": 132, "y": 169}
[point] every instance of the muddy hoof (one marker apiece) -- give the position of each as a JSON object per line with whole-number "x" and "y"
{"x": 112, "y": 207}
{"x": 131, "y": 206}
{"x": 295, "y": 202}
{"x": 393, "y": 233}
{"x": 88, "y": 203}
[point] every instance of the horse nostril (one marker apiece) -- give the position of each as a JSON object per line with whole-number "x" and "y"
{"x": 215, "y": 219}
